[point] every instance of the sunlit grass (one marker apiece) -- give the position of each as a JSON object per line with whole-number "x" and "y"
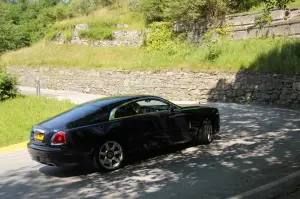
{"x": 278, "y": 55}
{"x": 121, "y": 15}
{"x": 17, "y": 116}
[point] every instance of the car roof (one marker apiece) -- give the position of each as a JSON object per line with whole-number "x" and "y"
{"x": 108, "y": 101}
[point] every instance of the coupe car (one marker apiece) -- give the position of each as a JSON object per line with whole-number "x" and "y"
{"x": 108, "y": 130}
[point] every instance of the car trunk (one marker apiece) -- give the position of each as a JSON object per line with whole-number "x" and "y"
{"x": 41, "y": 136}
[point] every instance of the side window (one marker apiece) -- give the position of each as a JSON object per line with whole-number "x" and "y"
{"x": 125, "y": 111}
{"x": 141, "y": 107}
{"x": 150, "y": 106}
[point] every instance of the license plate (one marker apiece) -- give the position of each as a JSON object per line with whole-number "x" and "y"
{"x": 39, "y": 136}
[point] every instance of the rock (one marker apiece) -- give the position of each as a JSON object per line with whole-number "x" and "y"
{"x": 283, "y": 96}
{"x": 87, "y": 90}
{"x": 296, "y": 86}
{"x": 81, "y": 27}
{"x": 293, "y": 96}
{"x": 122, "y": 26}
{"x": 240, "y": 93}
{"x": 266, "y": 96}
{"x": 236, "y": 85}
{"x": 248, "y": 95}
{"x": 275, "y": 96}
{"x": 230, "y": 93}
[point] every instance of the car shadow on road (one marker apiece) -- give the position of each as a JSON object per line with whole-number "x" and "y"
{"x": 66, "y": 172}
{"x": 133, "y": 160}
{"x": 256, "y": 145}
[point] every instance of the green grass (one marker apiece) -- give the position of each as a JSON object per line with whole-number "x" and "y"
{"x": 102, "y": 22}
{"x": 20, "y": 114}
{"x": 275, "y": 55}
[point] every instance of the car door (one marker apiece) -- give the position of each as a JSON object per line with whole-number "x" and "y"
{"x": 178, "y": 126}
{"x": 174, "y": 128}
{"x": 156, "y": 113}
{"x": 139, "y": 124}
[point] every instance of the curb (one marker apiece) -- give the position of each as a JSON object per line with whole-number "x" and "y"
{"x": 13, "y": 148}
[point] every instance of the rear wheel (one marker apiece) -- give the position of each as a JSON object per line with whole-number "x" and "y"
{"x": 205, "y": 132}
{"x": 109, "y": 156}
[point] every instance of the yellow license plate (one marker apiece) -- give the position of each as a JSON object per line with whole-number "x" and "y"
{"x": 39, "y": 136}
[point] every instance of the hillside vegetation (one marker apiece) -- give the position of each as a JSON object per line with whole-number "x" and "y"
{"x": 163, "y": 49}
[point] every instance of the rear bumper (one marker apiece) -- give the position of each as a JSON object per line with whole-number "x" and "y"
{"x": 54, "y": 156}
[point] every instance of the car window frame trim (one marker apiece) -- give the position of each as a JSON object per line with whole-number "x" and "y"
{"x": 113, "y": 112}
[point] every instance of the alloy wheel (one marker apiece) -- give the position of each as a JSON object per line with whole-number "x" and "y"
{"x": 111, "y": 155}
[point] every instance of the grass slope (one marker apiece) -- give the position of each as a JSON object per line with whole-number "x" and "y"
{"x": 101, "y": 23}
{"x": 20, "y": 114}
{"x": 275, "y": 55}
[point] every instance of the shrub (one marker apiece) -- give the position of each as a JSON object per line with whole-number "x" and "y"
{"x": 162, "y": 38}
{"x": 153, "y": 10}
{"x": 8, "y": 86}
{"x": 83, "y": 7}
{"x": 68, "y": 35}
{"x": 159, "y": 37}
{"x": 51, "y": 35}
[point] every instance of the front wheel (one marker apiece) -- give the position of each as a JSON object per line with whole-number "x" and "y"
{"x": 109, "y": 156}
{"x": 205, "y": 132}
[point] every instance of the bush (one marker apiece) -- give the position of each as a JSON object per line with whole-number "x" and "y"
{"x": 8, "y": 86}
{"x": 51, "y": 35}
{"x": 162, "y": 38}
{"x": 153, "y": 10}
{"x": 83, "y": 7}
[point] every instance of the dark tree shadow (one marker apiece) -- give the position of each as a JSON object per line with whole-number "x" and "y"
{"x": 269, "y": 80}
{"x": 256, "y": 145}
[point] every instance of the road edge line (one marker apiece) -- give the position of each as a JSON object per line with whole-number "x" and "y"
{"x": 13, "y": 148}
{"x": 266, "y": 186}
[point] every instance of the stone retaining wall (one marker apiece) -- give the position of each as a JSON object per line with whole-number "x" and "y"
{"x": 132, "y": 38}
{"x": 241, "y": 87}
{"x": 285, "y": 23}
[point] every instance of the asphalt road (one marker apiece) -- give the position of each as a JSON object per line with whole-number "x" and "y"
{"x": 256, "y": 146}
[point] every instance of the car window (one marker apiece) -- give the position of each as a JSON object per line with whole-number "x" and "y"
{"x": 79, "y": 116}
{"x": 125, "y": 111}
{"x": 141, "y": 107}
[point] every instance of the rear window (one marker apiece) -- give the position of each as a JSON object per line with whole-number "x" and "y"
{"x": 79, "y": 116}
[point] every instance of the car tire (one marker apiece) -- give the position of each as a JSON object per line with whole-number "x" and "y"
{"x": 109, "y": 156}
{"x": 205, "y": 132}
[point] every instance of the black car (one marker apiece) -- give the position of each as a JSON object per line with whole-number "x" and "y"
{"x": 107, "y": 130}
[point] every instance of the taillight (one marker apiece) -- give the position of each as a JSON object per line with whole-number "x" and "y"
{"x": 59, "y": 138}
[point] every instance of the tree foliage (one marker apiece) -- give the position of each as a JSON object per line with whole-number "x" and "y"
{"x": 23, "y": 22}
{"x": 211, "y": 10}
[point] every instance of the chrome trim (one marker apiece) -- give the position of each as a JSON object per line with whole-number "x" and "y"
{"x": 35, "y": 130}
{"x": 51, "y": 141}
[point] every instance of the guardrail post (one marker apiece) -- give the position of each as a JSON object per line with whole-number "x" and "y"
{"x": 38, "y": 86}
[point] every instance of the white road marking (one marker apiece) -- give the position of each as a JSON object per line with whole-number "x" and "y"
{"x": 266, "y": 186}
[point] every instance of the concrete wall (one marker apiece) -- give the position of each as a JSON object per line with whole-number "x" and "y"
{"x": 285, "y": 23}
{"x": 241, "y": 87}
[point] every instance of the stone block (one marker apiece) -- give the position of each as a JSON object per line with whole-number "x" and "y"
{"x": 296, "y": 86}
{"x": 294, "y": 96}
{"x": 81, "y": 27}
